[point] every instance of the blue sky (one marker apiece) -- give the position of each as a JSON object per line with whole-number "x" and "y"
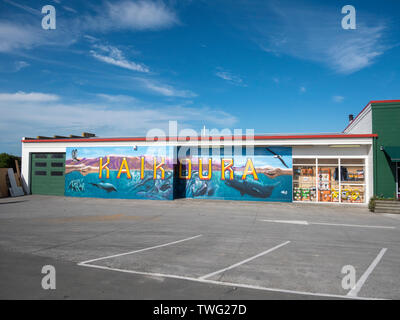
{"x": 120, "y": 68}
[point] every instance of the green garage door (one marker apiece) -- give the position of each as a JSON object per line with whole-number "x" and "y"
{"x": 47, "y": 173}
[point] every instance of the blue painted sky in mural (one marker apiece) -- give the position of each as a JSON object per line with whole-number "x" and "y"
{"x": 119, "y": 68}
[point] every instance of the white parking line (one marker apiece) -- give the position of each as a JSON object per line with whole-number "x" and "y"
{"x": 306, "y": 223}
{"x": 228, "y": 284}
{"x": 353, "y": 225}
{"x": 354, "y": 291}
{"x": 303, "y": 222}
{"x": 244, "y": 261}
{"x": 140, "y": 250}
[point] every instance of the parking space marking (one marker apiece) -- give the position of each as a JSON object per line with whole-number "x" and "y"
{"x": 244, "y": 261}
{"x": 140, "y": 250}
{"x": 352, "y": 225}
{"x": 303, "y": 222}
{"x": 354, "y": 291}
{"x": 306, "y": 223}
{"x": 227, "y": 284}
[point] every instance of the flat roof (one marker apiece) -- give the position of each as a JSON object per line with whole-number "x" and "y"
{"x": 210, "y": 138}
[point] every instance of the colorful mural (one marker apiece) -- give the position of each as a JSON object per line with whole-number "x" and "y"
{"x": 266, "y": 175}
{"x": 119, "y": 172}
{"x": 149, "y": 173}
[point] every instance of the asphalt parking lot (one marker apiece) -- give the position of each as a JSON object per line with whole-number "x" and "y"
{"x": 195, "y": 249}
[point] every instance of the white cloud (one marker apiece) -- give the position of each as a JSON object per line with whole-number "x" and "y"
{"x": 20, "y": 65}
{"x": 230, "y": 77}
{"x": 15, "y": 36}
{"x": 315, "y": 34}
{"x": 132, "y": 15}
{"x": 70, "y": 9}
{"x": 132, "y": 119}
{"x": 338, "y": 99}
{"x": 302, "y": 89}
{"x": 115, "y": 98}
{"x": 29, "y": 34}
{"x": 165, "y": 90}
{"x": 21, "y": 96}
{"x": 116, "y": 57}
{"x": 23, "y": 7}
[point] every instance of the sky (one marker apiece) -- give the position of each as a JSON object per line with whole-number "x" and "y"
{"x": 123, "y": 67}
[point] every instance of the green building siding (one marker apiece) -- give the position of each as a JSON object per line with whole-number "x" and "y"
{"x": 385, "y": 123}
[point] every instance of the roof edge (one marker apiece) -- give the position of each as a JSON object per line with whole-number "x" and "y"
{"x": 369, "y": 103}
{"x": 210, "y": 138}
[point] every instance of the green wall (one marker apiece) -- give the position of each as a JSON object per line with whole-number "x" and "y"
{"x": 385, "y": 123}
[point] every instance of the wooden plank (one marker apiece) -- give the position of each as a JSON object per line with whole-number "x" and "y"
{"x": 17, "y": 167}
{"x": 3, "y": 182}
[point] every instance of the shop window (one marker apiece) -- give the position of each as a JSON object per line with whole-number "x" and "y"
{"x": 304, "y": 187}
{"x": 352, "y": 161}
{"x": 352, "y": 174}
{"x": 328, "y": 183}
{"x": 353, "y": 194}
{"x": 327, "y": 161}
{"x": 352, "y": 177}
{"x": 304, "y": 161}
{"x": 329, "y": 180}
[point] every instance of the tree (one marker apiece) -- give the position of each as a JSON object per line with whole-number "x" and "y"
{"x": 8, "y": 160}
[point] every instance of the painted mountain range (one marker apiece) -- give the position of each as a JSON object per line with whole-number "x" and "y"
{"x": 89, "y": 165}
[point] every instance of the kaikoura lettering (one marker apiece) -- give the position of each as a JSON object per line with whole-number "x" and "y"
{"x": 226, "y": 166}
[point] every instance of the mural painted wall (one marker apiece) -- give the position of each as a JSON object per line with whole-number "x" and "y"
{"x": 149, "y": 173}
{"x": 119, "y": 172}
{"x": 266, "y": 176}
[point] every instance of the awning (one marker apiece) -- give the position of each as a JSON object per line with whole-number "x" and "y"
{"x": 393, "y": 153}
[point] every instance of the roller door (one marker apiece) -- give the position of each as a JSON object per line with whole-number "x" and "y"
{"x": 47, "y": 173}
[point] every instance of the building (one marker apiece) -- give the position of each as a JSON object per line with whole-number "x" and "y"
{"x": 382, "y": 118}
{"x": 346, "y": 167}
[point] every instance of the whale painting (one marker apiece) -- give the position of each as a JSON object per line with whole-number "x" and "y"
{"x": 265, "y": 175}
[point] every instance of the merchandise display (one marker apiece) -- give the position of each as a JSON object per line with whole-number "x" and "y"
{"x": 337, "y": 180}
{"x": 304, "y": 188}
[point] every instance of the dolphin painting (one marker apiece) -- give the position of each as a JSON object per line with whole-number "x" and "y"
{"x": 252, "y": 188}
{"x": 105, "y": 186}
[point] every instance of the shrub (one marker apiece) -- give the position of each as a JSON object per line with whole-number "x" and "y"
{"x": 8, "y": 160}
{"x": 371, "y": 204}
